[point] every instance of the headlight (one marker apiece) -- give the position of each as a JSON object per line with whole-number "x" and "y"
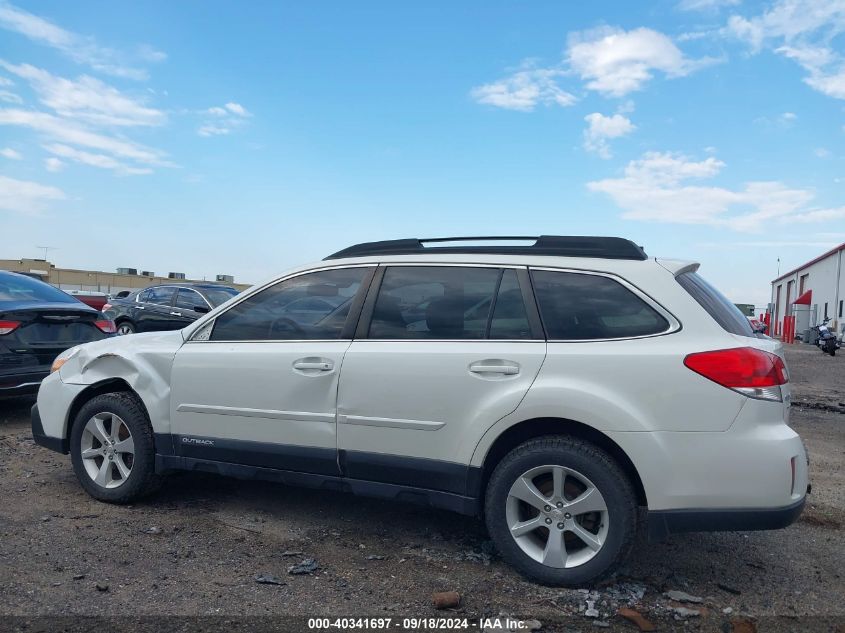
{"x": 62, "y": 358}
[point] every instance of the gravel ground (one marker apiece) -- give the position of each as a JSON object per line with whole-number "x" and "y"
{"x": 197, "y": 547}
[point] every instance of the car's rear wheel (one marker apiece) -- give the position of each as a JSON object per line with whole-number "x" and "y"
{"x": 113, "y": 450}
{"x": 125, "y": 327}
{"x": 561, "y": 511}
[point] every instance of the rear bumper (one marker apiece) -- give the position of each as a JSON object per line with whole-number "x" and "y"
{"x": 661, "y": 523}
{"x": 21, "y": 384}
{"x": 58, "y": 444}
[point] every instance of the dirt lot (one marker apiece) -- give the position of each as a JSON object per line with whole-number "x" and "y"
{"x": 197, "y": 547}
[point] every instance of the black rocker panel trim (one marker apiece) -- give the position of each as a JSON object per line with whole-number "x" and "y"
{"x": 430, "y": 498}
{"x": 307, "y": 459}
{"x": 417, "y": 472}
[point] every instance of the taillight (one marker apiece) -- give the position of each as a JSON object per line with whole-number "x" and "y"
{"x": 106, "y": 306}
{"x": 8, "y": 326}
{"x": 106, "y": 326}
{"x": 751, "y": 372}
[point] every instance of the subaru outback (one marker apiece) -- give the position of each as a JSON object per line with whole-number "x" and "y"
{"x": 569, "y": 390}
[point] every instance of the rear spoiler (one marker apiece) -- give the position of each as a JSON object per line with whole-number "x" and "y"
{"x": 678, "y": 266}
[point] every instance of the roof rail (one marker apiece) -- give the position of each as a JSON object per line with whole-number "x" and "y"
{"x": 554, "y": 245}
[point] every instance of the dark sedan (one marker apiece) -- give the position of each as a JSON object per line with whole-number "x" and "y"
{"x": 37, "y": 323}
{"x": 167, "y": 307}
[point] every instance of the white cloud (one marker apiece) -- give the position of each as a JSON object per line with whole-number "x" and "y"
{"x": 81, "y": 49}
{"x": 822, "y": 152}
{"x": 611, "y": 61}
{"x": 524, "y": 90}
{"x": 801, "y": 30}
{"x": 603, "y": 127}
{"x": 24, "y": 196}
{"x": 95, "y": 160}
{"x": 662, "y": 187}
{"x": 11, "y": 154}
{"x": 8, "y": 96}
{"x": 238, "y": 109}
{"x": 212, "y": 130}
{"x": 819, "y": 215}
{"x": 705, "y": 5}
{"x": 73, "y": 133}
{"x": 53, "y": 164}
{"x": 221, "y": 120}
{"x": 615, "y": 62}
{"x": 86, "y": 99}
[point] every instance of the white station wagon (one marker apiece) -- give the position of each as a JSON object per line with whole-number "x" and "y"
{"x": 562, "y": 390}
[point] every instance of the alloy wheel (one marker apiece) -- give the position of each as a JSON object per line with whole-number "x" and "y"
{"x": 108, "y": 450}
{"x": 557, "y": 516}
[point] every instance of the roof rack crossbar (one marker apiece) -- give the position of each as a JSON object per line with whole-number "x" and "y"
{"x": 551, "y": 245}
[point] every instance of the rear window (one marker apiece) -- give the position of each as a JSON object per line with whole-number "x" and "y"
{"x": 23, "y": 289}
{"x": 716, "y": 304}
{"x": 578, "y": 307}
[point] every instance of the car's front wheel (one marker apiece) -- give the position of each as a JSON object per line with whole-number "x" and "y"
{"x": 561, "y": 511}
{"x": 113, "y": 450}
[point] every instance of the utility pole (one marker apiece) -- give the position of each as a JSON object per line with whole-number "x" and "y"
{"x": 48, "y": 248}
{"x": 778, "y": 266}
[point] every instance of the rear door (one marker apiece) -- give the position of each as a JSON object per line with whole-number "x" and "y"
{"x": 441, "y": 354}
{"x": 189, "y": 306}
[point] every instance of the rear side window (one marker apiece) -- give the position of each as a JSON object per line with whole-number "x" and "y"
{"x": 716, "y": 304}
{"x": 578, "y": 307}
{"x": 189, "y": 299}
{"x": 449, "y": 303}
{"x": 433, "y": 302}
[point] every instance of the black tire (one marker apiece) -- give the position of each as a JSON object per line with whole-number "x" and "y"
{"x": 142, "y": 479}
{"x": 128, "y": 326}
{"x": 833, "y": 351}
{"x": 598, "y": 467}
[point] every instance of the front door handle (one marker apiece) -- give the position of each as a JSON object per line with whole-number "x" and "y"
{"x": 175, "y": 314}
{"x": 313, "y": 364}
{"x": 494, "y": 367}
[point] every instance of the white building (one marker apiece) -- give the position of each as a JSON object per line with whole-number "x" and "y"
{"x": 819, "y": 285}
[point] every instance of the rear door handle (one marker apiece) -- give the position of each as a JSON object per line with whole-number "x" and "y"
{"x": 175, "y": 314}
{"x": 493, "y": 367}
{"x": 319, "y": 365}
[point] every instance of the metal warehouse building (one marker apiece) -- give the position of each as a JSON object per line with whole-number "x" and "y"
{"x": 811, "y": 292}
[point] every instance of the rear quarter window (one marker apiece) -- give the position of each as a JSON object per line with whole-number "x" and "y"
{"x": 579, "y": 306}
{"x": 725, "y": 313}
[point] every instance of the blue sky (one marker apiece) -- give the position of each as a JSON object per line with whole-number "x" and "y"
{"x": 246, "y": 138}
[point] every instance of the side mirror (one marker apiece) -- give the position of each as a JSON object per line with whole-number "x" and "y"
{"x": 202, "y": 309}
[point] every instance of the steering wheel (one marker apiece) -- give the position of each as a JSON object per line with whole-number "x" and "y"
{"x": 289, "y": 323}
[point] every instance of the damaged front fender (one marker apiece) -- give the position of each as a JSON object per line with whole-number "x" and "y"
{"x": 143, "y": 361}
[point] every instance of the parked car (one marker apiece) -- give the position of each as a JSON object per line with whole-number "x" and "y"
{"x": 167, "y": 307}
{"x": 37, "y": 323}
{"x": 758, "y": 326}
{"x": 598, "y": 386}
{"x": 96, "y": 300}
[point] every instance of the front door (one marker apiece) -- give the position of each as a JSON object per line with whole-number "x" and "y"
{"x": 262, "y": 389}
{"x": 441, "y": 354}
{"x": 158, "y": 313}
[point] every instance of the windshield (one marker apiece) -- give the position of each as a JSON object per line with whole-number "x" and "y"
{"x": 216, "y": 296}
{"x": 23, "y": 289}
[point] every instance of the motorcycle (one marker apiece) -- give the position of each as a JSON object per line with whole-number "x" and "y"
{"x": 827, "y": 340}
